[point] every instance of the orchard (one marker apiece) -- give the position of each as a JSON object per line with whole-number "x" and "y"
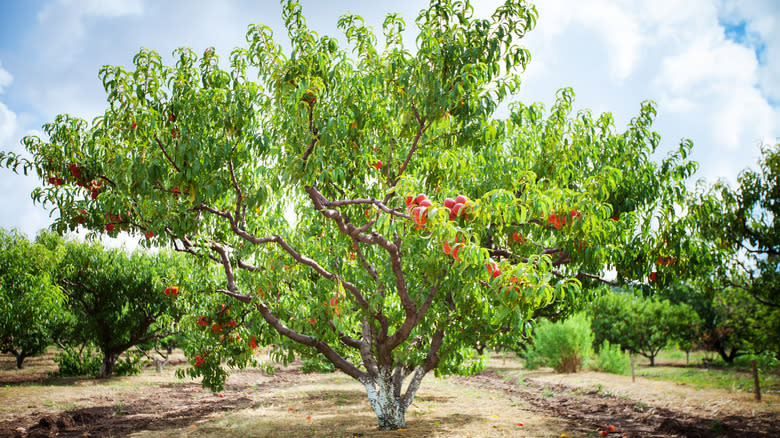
{"x": 370, "y": 206}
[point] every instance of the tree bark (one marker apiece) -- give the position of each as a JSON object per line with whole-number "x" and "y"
{"x": 19, "y": 359}
{"x": 18, "y": 356}
{"x": 388, "y": 405}
{"x": 756, "y": 387}
{"x": 107, "y": 367}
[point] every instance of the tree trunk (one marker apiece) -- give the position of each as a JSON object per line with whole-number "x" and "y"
{"x": 107, "y": 367}
{"x": 386, "y": 403}
{"x": 19, "y": 359}
{"x": 652, "y": 360}
{"x": 19, "y": 356}
{"x": 756, "y": 387}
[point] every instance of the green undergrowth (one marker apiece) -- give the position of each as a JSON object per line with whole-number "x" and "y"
{"x": 730, "y": 379}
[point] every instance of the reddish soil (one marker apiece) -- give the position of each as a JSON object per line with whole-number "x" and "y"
{"x": 172, "y": 405}
{"x": 180, "y": 405}
{"x": 591, "y": 409}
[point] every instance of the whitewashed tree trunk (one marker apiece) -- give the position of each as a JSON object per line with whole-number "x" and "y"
{"x": 384, "y": 395}
{"x": 389, "y": 409}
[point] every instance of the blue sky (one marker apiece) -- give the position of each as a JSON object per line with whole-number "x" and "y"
{"x": 712, "y": 66}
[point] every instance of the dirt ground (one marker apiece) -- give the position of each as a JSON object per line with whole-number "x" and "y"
{"x": 504, "y": 400}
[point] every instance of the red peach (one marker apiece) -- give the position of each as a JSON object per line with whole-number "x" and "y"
{"x": 457, "y": 209}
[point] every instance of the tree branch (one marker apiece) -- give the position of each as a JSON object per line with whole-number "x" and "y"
{"x": 325, "y": 349}
{"x": 170, "y": 160}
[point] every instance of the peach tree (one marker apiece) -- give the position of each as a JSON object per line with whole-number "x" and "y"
{"x": 368, "y": 205}
{"x": 118, "y": 300}
{"x": 32, "y": 305}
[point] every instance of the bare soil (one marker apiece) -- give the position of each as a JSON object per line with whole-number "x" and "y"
{"x": 504, "y": 400}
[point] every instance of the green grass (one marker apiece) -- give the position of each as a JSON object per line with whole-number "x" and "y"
{"x": 731, "y": 379}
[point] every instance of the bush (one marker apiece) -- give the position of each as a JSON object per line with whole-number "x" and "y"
{"x": 565, "y": 345}
{"x": 317, "y": 365}
{"x": 129, "y": 366}
{"x": 84, "y": 361}
{"x": 612, "y": 359}
{"x": 532, "y": 359}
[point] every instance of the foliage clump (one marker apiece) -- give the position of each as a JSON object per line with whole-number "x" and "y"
{"x": 567, "y": 345}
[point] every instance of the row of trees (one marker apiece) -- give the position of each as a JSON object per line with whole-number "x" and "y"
{"x": 77, "y": 294}
{"x": 370, "y": 207}
{"x": 729, "y": 324}
{"x": 641, "y": 325}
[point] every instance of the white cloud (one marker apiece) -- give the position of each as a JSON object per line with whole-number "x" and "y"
{"x": 90, "y": 8}
{"x": 616, "y": 54}
{"x": 762, "y": 26}
{"x": 7, "y": 124}
{"x": 5, "y": 78}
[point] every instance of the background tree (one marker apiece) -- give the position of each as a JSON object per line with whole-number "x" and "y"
{"x": 642, "y": 325}
{"x": 32, "y": 305}
{"x": 370, "y": 209}
{"x": 747, "y": 221}
{"x": 734, "y": 277}
{"x": 120, "y": 300}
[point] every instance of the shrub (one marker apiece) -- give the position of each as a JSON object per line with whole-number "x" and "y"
{"x": 612, "y": 359}
{"x": 565, "y": 345}
{"x": 130, "y": 365}
{"x": 532, "y": 359}
{"x": 82, "y": 361}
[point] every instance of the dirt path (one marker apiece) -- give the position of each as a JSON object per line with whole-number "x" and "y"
{"x": 164, "y": 407}
{"x": 487, "y": 404}
{"x": 591, "y": 409}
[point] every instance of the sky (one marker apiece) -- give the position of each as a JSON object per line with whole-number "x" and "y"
{"x": 711, "y": 66}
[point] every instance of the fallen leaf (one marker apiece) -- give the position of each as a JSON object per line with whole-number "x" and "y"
{"x": 402, "y": 430}
{"x": 494, "y": 416}
{"x": 519, "y": 424}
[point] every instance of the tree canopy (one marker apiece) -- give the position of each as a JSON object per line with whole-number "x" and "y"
{"x": 370, "y": 206}
{"x": 32, "y": 305}
{"x": 121, "y": 300}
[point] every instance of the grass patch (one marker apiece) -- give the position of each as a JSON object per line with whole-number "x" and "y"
{"x": 730, "y": 379}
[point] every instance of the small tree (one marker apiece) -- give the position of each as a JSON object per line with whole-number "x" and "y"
{"x": 370, "y": 209}
{"x": 642, "y": 325}
{"x": 120, "y": 300}
{"x": 32, "y": 305}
